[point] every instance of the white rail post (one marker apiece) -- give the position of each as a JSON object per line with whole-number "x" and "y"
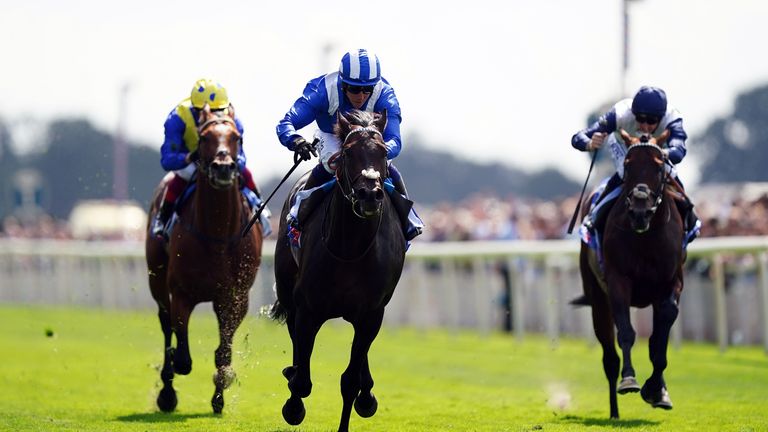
{"x": 762, "y": 260}
{"x": 481, "y": 297}
{"x": 518, "y": 310}
{"x": 721, "y": 323}
{"x": 551, "y": 303}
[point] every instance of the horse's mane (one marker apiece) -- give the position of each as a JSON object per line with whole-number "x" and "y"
{"x": 355, "y": 118}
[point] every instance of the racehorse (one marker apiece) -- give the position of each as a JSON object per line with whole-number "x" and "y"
{"x": 205, "y": 259}
{"x": 642, "y": 265}
{"x": 350, "y": 260}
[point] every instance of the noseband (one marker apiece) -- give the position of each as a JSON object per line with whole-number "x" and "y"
{"x": 368, "y": 173}
{"x": 641, "y": 190}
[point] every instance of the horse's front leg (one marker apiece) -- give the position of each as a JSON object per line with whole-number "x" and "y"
{"x": 654, "y": 390}
{"x": 305, "y": 329}
{"x": 230, "y": 312}
{"x": 181, "y": 308}
{"x": 620, "y": 294}
{"x": 166, "y": 400}
{"x": 356, "y": 381}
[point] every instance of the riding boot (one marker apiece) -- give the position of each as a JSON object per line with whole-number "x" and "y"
{"x": 598, "y": 214}
{"x": 690, "y": 220}
{"x": 412, "y": 224}
{"x": 317, "y": 177}
{"x": 596, "y": 219}
{"x": 161, "y": 219}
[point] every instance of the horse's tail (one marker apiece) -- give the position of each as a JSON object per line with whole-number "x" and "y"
{"x": 582, "y": 300}
{"x": 278, "y": 312}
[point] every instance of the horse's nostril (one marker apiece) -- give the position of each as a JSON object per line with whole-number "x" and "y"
{"x": 379, "y": 194}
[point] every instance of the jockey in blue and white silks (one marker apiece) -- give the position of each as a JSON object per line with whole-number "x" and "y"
{"x": 357, "y": 84}
{"x": 646, "y": 113}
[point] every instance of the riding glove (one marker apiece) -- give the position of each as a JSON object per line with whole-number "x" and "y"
{"x": 302, "y": 150}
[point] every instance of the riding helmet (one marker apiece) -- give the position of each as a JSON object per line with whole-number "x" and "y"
{"x": 360, "y": 68}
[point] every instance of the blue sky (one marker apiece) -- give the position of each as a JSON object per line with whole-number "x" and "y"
{"x": 488, "y": 80}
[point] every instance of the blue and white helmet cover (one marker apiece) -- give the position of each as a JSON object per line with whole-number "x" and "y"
{"x": 360, "y": 68}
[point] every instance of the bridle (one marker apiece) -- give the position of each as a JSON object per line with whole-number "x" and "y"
{"x": 641, "y": 189}
{"x": 342, "y": 174}
{"x": 205, "y": 166}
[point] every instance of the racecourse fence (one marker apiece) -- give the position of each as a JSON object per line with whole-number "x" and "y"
{"x": 516, "y": 286}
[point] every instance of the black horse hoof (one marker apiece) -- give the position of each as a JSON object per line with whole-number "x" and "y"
{"x": 366, "y": 405}
{"x": 289, "y": 372}
{"x": 294, "y": 412}
{"x": 658, "y": 399}
{"x": 628, "y": 385}
{"x": 182, "y": 366}
{"x": 217, "y": 403}
{"x": 166, "y": 400}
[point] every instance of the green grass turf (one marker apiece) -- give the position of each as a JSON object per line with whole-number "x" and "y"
{"x": 98, "y": 371}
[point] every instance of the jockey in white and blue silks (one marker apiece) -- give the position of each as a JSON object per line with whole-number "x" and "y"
{"x": 646, "y": 113}
{"x": 358, "y": 84}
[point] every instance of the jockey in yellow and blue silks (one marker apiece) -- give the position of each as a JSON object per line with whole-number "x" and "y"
{"x": 357, "y": 84}
{"x": 646, "y": 113}
{"x": 179, "y": 150}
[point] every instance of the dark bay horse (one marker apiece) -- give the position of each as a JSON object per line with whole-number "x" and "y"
{"x": 643, "y": 256}
{"x": 205, "y": 260}
{"x": 350, "y": 261}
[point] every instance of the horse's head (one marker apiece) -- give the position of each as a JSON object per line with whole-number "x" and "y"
{"x": 363, "y": 162}
{"x": 644, "y": 178}
{"x": 218, "y": 147}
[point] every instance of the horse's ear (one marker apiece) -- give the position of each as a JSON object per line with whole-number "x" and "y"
{"x": 343, "y": 123}
{"x": 380, "y": 121}
{"x": 625, "y": 136}
{"x": 231, "y": 111}
{"x": 205, "y": 113}
{"x": 663, "y": 137}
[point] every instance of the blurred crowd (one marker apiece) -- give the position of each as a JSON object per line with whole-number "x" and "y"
{"x": 486, "y": 217}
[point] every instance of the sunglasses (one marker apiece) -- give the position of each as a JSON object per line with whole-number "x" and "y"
{"x": 359, "y": 89}
{"x": 646, "y": 119}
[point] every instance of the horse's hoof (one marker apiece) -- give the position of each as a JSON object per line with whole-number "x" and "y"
{"x": 366, "y": 405}
{"x": 182, "y": 369}
{"x": 659, "y": 399}
{"x": 181, "y": 365}
{"x": 166, "y": 400}
{"x": 628, "y": 385}
{"x": 289, "y": 372}
{"x": 217, "y": 403}
{"x": 294, "y": 412}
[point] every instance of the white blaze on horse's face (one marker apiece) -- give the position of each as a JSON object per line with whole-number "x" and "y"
{"x": 370, "y": 174}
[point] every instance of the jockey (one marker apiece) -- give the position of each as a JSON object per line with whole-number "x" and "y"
{"x": 179, "y": 150}
{"x": 647, "y": 113}
{"x": 358, "y": 84}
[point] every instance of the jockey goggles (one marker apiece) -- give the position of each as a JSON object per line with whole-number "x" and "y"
{"x": 647, "y": 119}
{"x": 358, "y": 89}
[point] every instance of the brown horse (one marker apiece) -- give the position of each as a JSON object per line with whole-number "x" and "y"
{"x": 642, "y": 266}
{"x": 350, "y": 261}
{"x": 205, "y": 260}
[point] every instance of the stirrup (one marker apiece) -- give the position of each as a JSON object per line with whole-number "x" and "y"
{"x": 588, "y": 222}
{"x": 158, "y": 227}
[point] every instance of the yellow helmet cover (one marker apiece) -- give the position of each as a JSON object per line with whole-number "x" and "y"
{"x": 207, "y": 91}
